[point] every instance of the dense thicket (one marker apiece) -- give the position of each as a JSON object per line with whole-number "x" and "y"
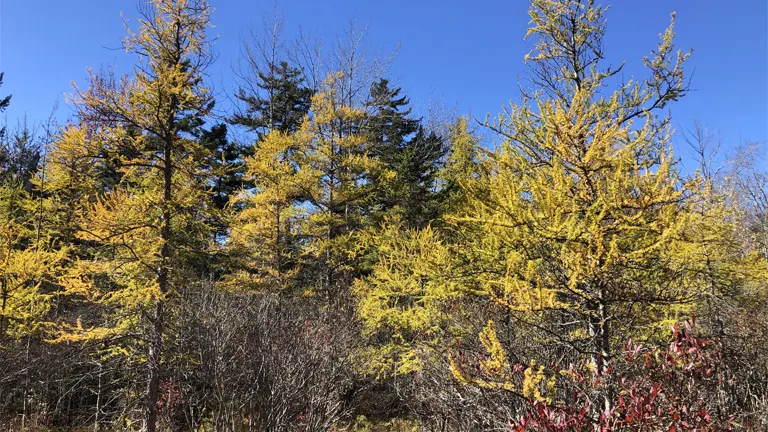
{"x": 340, "y": 263}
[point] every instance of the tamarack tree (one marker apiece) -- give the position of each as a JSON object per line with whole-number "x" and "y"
{"x": 582, "y": 193}
{"x": 147, "y": 226}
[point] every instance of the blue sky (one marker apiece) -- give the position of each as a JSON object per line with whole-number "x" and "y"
{"x": 465, "y": 54}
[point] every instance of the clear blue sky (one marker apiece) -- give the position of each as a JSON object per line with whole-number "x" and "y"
{"x": 466, "y": 54}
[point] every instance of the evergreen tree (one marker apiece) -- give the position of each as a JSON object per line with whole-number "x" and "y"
{"x": 403, "y": 146}
{"x": 4, "y": 102}
{"x": 225, "y": 162}
{"x": 389, "y": 125}
{"x": 418, "y": 172}
{"x": 282, "y": 105}
{"x": 19, "y": 157}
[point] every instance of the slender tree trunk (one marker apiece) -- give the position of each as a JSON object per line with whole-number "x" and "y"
{"x": 599, "y": 332}
{"x": 153, "y": 366}
{"x": 4, "y": 290}
{"x": 278, "y": 248}
{"x": 26, "y": 386}
{"x": 605, "y": 348}
{"x": 329, "y": 230}
{"x": 155, "y": 351}
{"x": 98, "y": 400}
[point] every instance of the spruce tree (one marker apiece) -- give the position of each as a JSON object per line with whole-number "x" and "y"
{"x": 225, "y": 164}
{"x": 19, "y": 157}
{"x": 4, "y": 102}
{"x": 282, "y": 105}
{"x": 390, "y": 125}
{"x": 403, "y": 146}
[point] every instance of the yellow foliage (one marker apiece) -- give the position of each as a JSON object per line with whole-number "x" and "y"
{"x": 28, "y": 264}
{"x": 409, "y": 295}
{"x": 496, "y": 363}
{"x": 309, "y": 184}
{"x": 580, "y": 206}
{"x": 532, "y": 378}
{"x": 577, "y": 223}
{"x": 141, "y": 226}
{"x": 496, "y": 373}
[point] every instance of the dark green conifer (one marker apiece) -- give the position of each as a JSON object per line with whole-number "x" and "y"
{"x": 400, "y": 142}
{"x": 282, "y": 104}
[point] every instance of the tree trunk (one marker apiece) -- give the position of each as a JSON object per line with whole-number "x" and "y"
{"x": 599, "y": 332}
{"x": 97, "y": 417}
{"x": 153, "y": 368}
{"x": 26, "y": 385}
{"x": 605, "y": 348}
{"x": 156, "y": 321}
